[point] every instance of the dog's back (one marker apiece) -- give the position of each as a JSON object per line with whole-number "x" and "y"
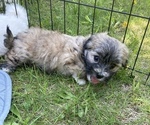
{"x": 48, "y": 49}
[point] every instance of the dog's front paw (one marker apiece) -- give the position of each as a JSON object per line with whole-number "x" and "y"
{"x": 79, "y": 81}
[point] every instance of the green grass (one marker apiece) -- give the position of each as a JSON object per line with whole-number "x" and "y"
{"x": 41, "y": 99}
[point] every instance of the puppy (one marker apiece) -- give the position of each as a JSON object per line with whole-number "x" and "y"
{"x": 16, "y": 18}
{"x": 96, "y": 57}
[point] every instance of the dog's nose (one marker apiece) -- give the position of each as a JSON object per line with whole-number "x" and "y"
{"x": 99, "y": 76}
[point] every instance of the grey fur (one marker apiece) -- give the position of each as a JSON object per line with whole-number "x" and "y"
{"x": 96, "y": 57}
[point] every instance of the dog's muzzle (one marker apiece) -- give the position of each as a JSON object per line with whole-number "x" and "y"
{"x": 97, "y": 77}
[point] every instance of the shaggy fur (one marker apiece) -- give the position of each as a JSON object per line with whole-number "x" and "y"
{"x": 96, "y": 57}
{"x": 16, "y": 18}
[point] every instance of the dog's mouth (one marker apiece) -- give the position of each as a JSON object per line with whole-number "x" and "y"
{"x": 96, "y": 78}
{"x": 93, "y": 79}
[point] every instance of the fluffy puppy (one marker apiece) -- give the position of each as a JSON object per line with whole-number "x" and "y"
{"x": 16, "y": 18}
{"x": 96, "y": 57}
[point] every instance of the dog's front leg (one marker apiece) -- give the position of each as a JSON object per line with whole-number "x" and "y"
{"x": 78, "y": 80}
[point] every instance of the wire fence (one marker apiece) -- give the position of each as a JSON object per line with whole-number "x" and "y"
{"x": 99, "y": 15}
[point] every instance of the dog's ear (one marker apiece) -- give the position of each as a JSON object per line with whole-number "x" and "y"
{"x": 124, "y": 65}
{"x": 8, "y": 42}
{"x": 125, "y": 56}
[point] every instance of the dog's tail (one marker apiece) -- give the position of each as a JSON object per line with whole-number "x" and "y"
{"x": 17, "y": 11}
{"x": 8, "y": 42}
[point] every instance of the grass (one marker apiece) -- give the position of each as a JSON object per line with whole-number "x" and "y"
{"x": 41, "y": 99}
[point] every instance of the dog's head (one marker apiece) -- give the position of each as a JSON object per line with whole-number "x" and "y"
{"x": 103, "y": 56}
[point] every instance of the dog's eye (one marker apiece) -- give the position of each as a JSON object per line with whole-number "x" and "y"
{"x": 112, "y": 66}
{"x": 96, "y": 58}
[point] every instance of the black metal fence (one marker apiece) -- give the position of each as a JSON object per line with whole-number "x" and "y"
{"x": 127, "y": 20}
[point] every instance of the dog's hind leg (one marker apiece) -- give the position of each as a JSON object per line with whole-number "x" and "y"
{"x": 7, "y": 67}
{"x": 12, "y": 60}
{"x": 16, "y": 55}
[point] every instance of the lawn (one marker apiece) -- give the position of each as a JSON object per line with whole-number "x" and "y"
{"x": 42, "y": 99}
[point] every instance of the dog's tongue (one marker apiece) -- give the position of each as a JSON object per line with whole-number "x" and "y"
{"x": 94, "y": 80}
